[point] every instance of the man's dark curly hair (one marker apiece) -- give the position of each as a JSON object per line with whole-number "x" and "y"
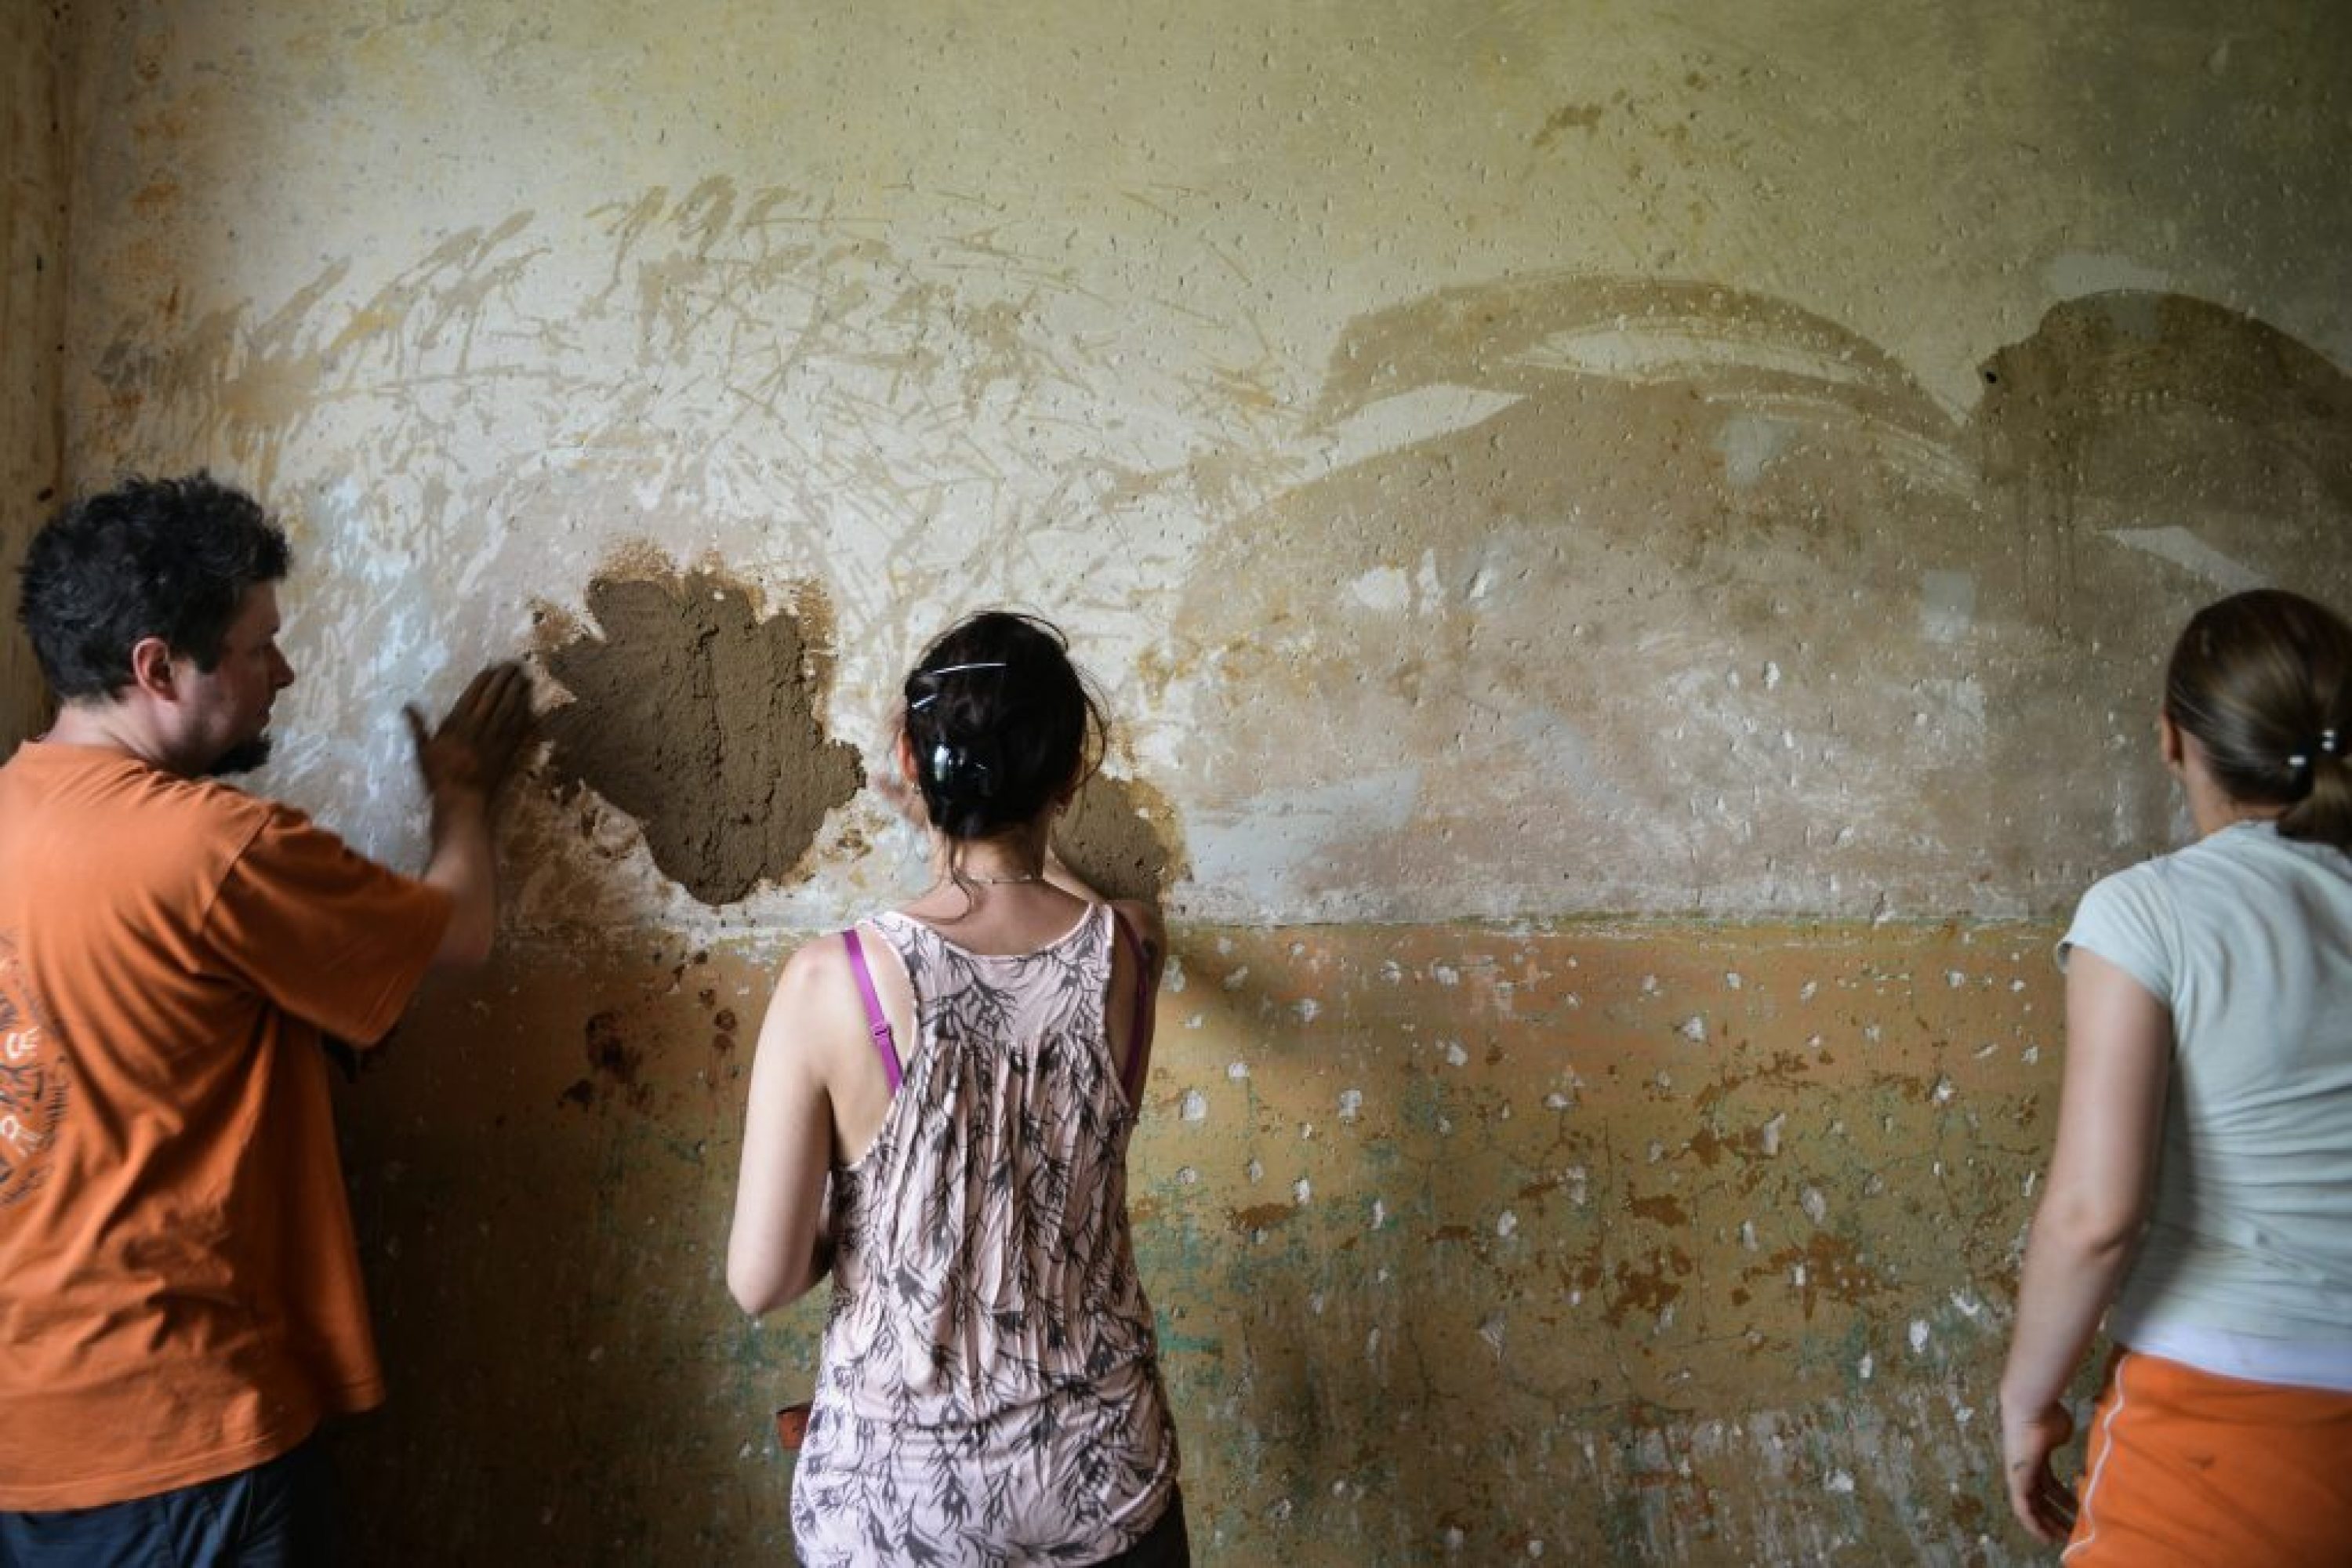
{"x": 166, "y": 558}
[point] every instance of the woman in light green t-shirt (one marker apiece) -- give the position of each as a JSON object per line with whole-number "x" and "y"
{"x": 2201, "y": 1185}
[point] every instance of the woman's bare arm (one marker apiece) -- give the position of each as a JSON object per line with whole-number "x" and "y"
{"x": 2110, "y": 1119}
{"x": 777, "y": 1249}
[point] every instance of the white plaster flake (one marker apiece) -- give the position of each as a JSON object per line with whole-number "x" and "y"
{"x": 1749, "y": 443}
{"x": 1948, "y": 606}
{"x": 2072, "y": 274}
{"x": 1385, "y": 590}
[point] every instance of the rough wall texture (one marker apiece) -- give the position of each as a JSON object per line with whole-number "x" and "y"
{"x": 1725, "y": 470}
{"x": 1599, "y": 1243}
{"x": 33, "y": 177}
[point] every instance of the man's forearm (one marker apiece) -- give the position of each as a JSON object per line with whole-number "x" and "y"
{"x": 464, "y": 863}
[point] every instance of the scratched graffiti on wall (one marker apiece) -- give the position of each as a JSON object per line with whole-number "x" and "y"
{"x": 1569, "y": 592}
{"x": 743, "y": 378}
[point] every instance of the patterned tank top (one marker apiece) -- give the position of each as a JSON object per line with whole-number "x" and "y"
{"x": 989, "y": 1390}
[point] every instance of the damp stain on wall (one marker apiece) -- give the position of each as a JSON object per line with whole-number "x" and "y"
{"x": 700, "y": 717}
{"x": 1621, "y": 592}
{"x": 2130, "y": 415}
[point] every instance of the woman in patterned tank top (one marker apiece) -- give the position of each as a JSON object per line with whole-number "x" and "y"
{"x": 939, "y": 1118}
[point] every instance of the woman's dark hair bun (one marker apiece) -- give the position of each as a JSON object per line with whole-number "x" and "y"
{"x": 1001, "y": 723}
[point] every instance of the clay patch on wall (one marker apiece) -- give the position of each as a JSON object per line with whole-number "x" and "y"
{"x": 699, "y": 716}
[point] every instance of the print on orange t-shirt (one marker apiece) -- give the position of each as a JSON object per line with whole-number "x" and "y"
{"x": 34, "y": 1086}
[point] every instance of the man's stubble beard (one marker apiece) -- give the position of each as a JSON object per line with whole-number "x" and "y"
{"x": 241, "y": 758}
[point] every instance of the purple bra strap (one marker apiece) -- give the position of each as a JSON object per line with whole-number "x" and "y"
{"x": 885, "y": 1045}
{"x": 1138, "y": 1043}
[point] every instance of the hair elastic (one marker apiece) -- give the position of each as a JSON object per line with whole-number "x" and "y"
{"x": 2325, "y": 746}
{"x": 929, "y": 697}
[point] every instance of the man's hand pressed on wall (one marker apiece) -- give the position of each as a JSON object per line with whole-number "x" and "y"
{"x": 475, "y": 747}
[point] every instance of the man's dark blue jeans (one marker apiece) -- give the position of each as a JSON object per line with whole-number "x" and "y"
{"x": 279, "y": 1514}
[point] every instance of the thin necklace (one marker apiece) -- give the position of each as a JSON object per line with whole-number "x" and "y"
{"x": 999, "y": 881}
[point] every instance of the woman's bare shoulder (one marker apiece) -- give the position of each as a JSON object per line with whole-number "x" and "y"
{"x": 1144, "y": 919}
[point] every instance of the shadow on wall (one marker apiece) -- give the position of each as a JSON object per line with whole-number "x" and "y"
{"x": 1614, "y": 586}
{"x": 541, "y": 1204}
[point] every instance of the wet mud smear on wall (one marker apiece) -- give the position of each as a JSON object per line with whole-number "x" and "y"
{"x": 698, "y": 717}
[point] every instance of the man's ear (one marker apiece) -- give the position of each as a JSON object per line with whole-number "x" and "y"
{"x": 152, "y": 668}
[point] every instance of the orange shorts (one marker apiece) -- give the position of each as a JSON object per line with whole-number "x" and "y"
{"x": 2187, "y": 1468}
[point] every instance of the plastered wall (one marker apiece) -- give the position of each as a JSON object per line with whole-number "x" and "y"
{"x": 1629, "y": 548}
{"x": 32, "y": 318}
{"x": 1586, "y": 1242}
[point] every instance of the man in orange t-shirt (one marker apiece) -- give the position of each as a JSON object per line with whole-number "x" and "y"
{"x": 181, "y": 1303}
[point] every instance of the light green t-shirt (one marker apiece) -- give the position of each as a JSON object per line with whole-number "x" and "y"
{"x": 2246, "y": 937}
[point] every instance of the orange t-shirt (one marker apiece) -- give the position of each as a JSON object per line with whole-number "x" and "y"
{"x": 180, "y": 1295}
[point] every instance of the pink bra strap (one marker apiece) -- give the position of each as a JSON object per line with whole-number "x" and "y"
{"x": 1139, "y": 1042}
{"x": 885, "y": 1045}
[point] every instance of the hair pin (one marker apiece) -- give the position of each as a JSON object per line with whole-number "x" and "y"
{"x": 928, "y": 697}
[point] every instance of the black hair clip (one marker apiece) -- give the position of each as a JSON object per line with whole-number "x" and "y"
{"x": 956, "y": 771}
